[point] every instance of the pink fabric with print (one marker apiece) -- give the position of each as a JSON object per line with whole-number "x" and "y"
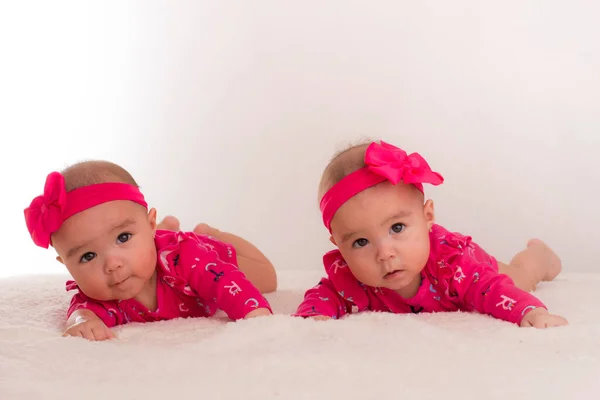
{"x": 196, "y": 276}
{"x": 459, "y": 275}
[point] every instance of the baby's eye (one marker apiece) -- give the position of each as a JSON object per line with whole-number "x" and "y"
{"x": 358, "y": 243}
{"x": 397, "y": 228}
{"x": 124, "y": 237}
{"x": 87, "y": 257}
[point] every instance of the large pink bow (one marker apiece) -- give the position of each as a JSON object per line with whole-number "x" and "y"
{"x": 45, "y": 213}
{"x": 395, "y": 165}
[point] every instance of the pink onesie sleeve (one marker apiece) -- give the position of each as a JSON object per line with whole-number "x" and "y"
{"x": 489, "y": 292}
{"x": 107, "y": 312}
{"x": 225, "y": 251}
{"x": 217, "y": 279}
{"x": 323, "y": 299}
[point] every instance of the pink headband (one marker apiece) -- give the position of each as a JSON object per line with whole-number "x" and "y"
{"x": 383, "y": 161}
{"x": 48, "y": 211}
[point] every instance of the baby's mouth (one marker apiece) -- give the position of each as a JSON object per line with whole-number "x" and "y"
{"x": 393, "y": 274}
{"x": 121, "y": 281}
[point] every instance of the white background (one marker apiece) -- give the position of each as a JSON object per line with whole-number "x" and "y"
{"x": 226, "y": 112}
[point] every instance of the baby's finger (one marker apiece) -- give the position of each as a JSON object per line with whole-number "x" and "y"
{"x": 109, "y": 333}
{"x": 558, "y": 321}
{"x": 88, "y": 334}
{"x": 526, "y": 323}
{"x": 540, "y": 323}
{"x": 73, "y": 332}
{"x": 103, "y": 333}
{"x": 98, "y": 333}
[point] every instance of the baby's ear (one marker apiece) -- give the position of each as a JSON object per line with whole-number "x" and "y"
{"x": 429, "y": 213}
{"x": 152, "y": 218}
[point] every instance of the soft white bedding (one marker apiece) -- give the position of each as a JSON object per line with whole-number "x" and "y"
{"x": 367, "y": 356}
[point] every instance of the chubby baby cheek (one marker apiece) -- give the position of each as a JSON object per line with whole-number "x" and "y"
{"x": 150, "y": 259}
{"x": 365, "y": 273}
{"x": 86, "y": 281}
{"x": 421, "y": 258}
{"x": 96, "y": 289}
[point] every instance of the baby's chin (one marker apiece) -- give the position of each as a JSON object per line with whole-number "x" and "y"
{"x": 406, "y": 283}
{"x": 125, "y": 294}
{"x": 97, "y": 295}
{"x": 109, "y": 295}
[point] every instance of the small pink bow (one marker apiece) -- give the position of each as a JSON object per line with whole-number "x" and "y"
{"x": 44, "y": 215}
{"x": 395, "y": 165}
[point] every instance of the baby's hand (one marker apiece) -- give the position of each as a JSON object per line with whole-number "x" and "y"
{"x": 541, "y": 318}
{"x": 259, "y": 312}
{"x": 320, "y": 318}
{"x": 92, "y": 329}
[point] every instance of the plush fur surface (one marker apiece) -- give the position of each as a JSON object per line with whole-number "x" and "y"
{"x": 366, "y": 356}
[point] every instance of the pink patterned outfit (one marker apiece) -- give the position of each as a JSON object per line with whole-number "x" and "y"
{"x": 459, "y": 275}
{"x": 196, "y": 275}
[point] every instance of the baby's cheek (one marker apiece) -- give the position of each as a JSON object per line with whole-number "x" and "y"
{"x": 94, "y": 288}
{"x": 423, "y": 255}
{"x": 151, "y": 257}
{"x": 85, "y": 280}
{"x": 364, "y": 272}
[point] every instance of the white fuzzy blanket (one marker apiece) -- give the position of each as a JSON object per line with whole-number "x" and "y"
{"x": 367, "y": 356}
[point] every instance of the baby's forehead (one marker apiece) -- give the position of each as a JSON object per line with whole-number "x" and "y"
{"x": 99, "y": 220}
{"x": 376, "y": 207}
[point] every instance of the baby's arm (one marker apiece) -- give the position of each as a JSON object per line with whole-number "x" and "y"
{"x": 251, "y": 261}
{"x": 323, "y": 302}
{"x": 495, "y": 294}
{"x": 88, "y": 319}
{"x": 213, "y": 278}
{"x": 84, "y": 323}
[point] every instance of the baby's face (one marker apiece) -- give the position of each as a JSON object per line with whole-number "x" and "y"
{"x": 383, "y": 234}
{"x": 109, "y": 249}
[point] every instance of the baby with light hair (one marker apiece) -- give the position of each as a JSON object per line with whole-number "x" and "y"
{"x": 391, "y": 256}
{"x": 126, "y": 269}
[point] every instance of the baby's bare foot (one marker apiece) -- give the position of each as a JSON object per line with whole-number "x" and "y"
{"x": 551, "y": 262}
{"x": 169, "y": 223}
